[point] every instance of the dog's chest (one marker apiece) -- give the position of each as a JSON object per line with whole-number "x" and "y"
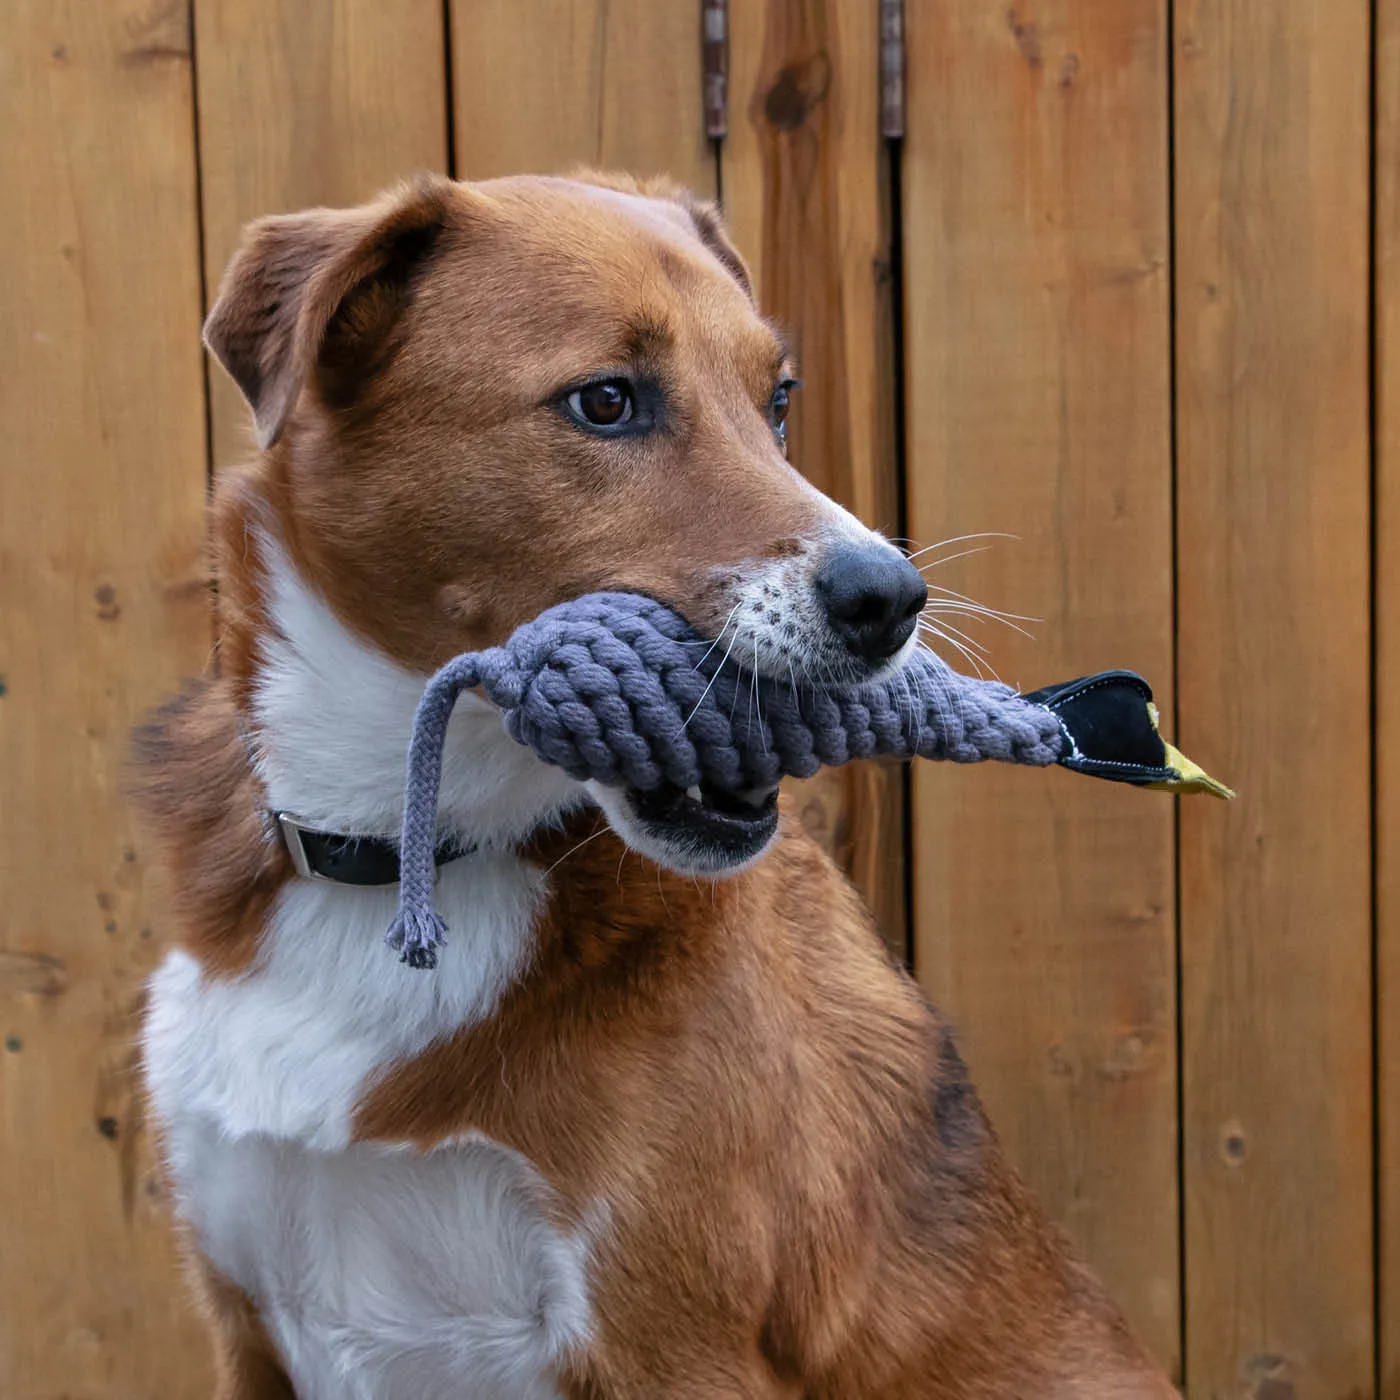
{"x": 384, "y": 1274}
{"x": 380, "y": 1272}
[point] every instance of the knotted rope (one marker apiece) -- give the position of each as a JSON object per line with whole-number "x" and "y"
{"x": 620, "y": 689}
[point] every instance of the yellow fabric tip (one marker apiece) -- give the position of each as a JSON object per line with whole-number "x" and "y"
{"x": 1188, "y": 776}
{"x": 1191, "y": 777}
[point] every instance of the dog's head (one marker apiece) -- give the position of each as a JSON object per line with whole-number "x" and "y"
{"x": 480, "y": 400}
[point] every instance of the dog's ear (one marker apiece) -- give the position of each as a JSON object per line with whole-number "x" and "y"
{"x": 710, "y": 225}
{"x": 317, "y": 285}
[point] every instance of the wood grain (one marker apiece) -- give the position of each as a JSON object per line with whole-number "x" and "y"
{"x": 1273, "y": 550}
{"x": 806, "y": 191}
{"x": 1036, "y": 182}
{"x": 101, "y": 498}
{"x": 1386, "y": 311}
{"x": 319, "y": 102}
{"x": 606, "y": 83}
{"x": 1036, "y": 254}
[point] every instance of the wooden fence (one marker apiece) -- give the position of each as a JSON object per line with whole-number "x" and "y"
{"x": 1145, "y": 255}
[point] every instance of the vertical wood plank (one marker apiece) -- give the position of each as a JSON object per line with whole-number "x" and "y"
{"x": 319, "y": 102}
{"x": 606, "y": 83}
{"x": 1272, "y": 363}
{"x": 806, "y": 192}
{"x": 1036, "y": 250}
{"x": 101, "y": 499}
{"x": 1386, "y": 154}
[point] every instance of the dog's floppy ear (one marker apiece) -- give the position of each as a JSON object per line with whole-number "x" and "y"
{"x": 294, "y": 272}
{"x": 709, "y": 224}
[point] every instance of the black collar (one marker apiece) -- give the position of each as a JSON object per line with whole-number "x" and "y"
{"x": 350, "y": 860}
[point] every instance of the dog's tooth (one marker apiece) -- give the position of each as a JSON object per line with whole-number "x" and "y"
{"x": 695, "y": 794}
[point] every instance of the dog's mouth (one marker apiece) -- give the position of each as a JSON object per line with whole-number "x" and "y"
{"x": 697, "y": 830}
{"x": 733, "y": 826}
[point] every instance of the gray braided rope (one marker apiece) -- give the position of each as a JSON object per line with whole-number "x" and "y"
{"x": 611, "y": 687}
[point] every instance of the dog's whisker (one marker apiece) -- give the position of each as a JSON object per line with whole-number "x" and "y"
{"x": 953, "y": 608}
{"x": 948, "y": 558}
{"x": 593, "y": 836}
{"x": 914, "y": 713}
{"x": 981, "y": 669}
{"x": 753, "y": 683}
{"x": 944, "y": 613}
{"x": 977, "y": 646}
{"x": 762, "y": 728}
{"x": 987, "y": 607}
{"x": 710, "y": 684}
{"x": 970, "y": 656}
{"x": 719, "y": 636}
{"x": 962, "y": 539}
{"x": 752, "y": 680}
{"x": 924, "y": 646}
{"x": 758, "y": 697}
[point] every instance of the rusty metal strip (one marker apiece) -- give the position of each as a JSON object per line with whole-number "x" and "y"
{"x": 714, "y": 43}
{"x": 892, "y": 69}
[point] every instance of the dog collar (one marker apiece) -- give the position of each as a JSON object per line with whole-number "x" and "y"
{"x": 367, "y": 861}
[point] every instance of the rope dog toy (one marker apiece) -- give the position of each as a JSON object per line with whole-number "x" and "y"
{"x": 612, "y": 687}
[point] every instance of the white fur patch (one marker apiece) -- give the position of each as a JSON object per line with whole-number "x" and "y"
{"x": 334, "y": 717}
{"x": 379, "y": 1272}
{"x": 386, "y": 1275}
{"x": 289, "y": 1047}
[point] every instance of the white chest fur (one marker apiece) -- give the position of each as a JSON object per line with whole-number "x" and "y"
{"x": 289, "y": 1048}
{"x": 379, "y": 1272}
{"x": 382, "y": 1275}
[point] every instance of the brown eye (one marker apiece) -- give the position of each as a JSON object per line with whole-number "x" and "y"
{"x": 778, "y": 408}
{"x": 607, "y": 404}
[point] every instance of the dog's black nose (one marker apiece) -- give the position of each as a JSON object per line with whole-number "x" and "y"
{"x": 873, "y": 597}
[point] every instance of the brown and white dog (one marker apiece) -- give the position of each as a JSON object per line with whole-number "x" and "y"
{"x": 645, "y": 1132}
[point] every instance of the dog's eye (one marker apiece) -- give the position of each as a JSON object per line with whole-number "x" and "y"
{"x": 778, "y": 408}
{"x": 607, "y": 404}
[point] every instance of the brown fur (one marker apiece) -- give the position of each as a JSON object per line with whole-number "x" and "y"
{"x": 191, "y": 777}
{"x": 195, "y": 789}
{"x": 805, "y": 1197}
{"x": 246, "y": 1364}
